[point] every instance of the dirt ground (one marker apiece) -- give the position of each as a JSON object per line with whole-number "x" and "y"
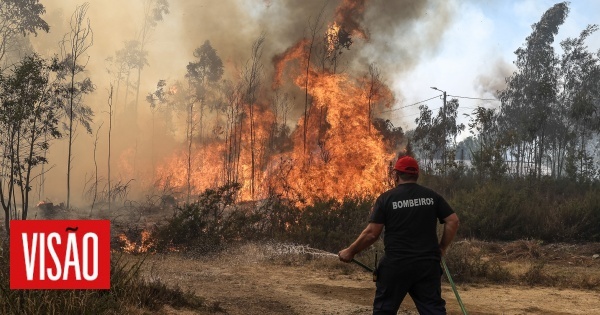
{"x": 250, "y": 280}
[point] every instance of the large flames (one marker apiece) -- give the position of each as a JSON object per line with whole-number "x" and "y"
{"x": 335, "y": 150}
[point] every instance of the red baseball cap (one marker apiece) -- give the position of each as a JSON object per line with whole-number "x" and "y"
{"x": 407, "y": 164}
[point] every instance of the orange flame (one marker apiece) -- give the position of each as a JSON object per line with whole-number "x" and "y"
{"x": 146, "y": 244}
{"x": 332, "y": 38}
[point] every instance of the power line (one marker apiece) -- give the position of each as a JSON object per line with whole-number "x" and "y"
{"x": 476, "y": 98}
{"x": 429, "y": 99}
{"x": 401, "y": 107}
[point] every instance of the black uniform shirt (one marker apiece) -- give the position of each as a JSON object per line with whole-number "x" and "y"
{"x": 410, "y": 213}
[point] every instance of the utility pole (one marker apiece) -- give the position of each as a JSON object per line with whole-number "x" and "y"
{"x": 444, "y": 126}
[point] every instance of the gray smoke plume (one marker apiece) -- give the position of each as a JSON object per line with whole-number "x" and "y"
{"x": 494, "y": 80}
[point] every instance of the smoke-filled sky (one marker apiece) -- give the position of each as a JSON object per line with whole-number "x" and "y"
{"x": 464, "y": 47}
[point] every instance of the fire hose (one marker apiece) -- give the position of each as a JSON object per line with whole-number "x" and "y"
{"x": 446, "y": 271}
{"x": 460, "y": 303}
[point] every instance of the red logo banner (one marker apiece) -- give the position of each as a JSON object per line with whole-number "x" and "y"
{"x": 60, "y": 254}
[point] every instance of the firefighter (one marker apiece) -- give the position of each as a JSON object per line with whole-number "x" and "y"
{"x": 409, "y": 213}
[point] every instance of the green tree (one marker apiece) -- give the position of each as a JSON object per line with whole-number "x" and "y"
{"x": 487, "y": 151}
{"x": 580, "y": 113}
{"x": 530, "y": 98}
{"x": 436, "y": 136}
{"x": 203, "y": 74}
{"x": 29, "y": 118}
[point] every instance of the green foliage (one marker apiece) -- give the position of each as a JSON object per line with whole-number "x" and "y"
{"x": 29, "y": 116}
{"x": 549, "y": 110}
{"x": 506, "y": 209}
{"x": 435, "y": 136}
{"x": 208, "y": 68}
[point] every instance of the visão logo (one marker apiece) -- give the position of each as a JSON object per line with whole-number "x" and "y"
{"x": 60, "y": 254}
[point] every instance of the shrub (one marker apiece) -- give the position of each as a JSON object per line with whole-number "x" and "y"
{"x": 200, "y": 225}
{"x": 468, "y": 264}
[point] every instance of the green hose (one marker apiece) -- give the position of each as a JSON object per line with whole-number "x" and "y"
{"x": 462, "y": 306}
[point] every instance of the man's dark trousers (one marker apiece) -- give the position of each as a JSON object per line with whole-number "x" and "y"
{"x": 421, "y": 280}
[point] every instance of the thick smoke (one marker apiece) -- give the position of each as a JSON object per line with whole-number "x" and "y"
{"x": 494, "y": 81}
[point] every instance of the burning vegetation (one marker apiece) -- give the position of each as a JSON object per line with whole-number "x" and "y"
{"x": 242, "y": 132}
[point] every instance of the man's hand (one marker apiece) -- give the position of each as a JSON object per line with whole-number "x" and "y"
{"x": 368, "y": 236}
{"x": 346, "y": 255}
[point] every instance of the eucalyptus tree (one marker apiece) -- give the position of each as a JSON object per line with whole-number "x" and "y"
{"x": 435, "y": 136}
{"x": 488, "y": 144}
{"x": 200, "y": 89}
{"x": 580, "y": 113}
{"x": 529, "y": 101}
{"x": 127, "y": 59}
{"x": 202, "y": 74}
{"x": 314, "y": 28}
{"x": 374, "y": 86}
{"x": 234, "y": 111}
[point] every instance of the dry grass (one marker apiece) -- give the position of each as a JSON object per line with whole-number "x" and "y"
{"x": 528, "y": 262}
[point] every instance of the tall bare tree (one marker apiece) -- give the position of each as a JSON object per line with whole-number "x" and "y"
{"x": 252, "y": 80}
{"x": 233, "y": 129}
{"x": 73, "y": 49}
